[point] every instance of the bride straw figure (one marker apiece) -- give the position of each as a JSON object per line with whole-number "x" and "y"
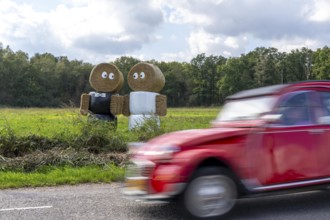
{"x": 144, "y": 102}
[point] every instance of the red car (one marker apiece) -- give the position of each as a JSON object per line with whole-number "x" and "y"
{"x": 264, "y": 140}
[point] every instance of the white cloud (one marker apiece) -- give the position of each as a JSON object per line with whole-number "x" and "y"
{"x": 73, "y": 23}
{"x": 204, "y": 42}
{"x": 80, "y": 26}
{"x": 116, "y": 26}
{"x": 161, "y": 29}
{"x": 320, "y": 12}
{"x": 179, "y": 56}
{"x": 232, "y": 42}
{"x": 13, "y": 19}
{"x": 178, "y": 12}
{"x": 229, "y": 27}
{"x": 286, "y": 45}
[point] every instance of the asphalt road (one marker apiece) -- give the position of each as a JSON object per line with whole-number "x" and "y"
{"x": 104, "y": 201}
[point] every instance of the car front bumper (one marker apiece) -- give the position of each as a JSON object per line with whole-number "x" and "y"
{"x": 140, "y": 195}
{"x": 137, "y": 184}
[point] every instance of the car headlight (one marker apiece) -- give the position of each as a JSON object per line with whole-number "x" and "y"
{"x": 162, "y": 154}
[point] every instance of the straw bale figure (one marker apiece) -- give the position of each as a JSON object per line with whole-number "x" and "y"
{"x": 144, "y": 102}
{"x": 107, "y": 80}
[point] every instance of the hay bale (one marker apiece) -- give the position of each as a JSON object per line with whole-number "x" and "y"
{"x": 142, "y": 103}
{"x": 116, "y": 104}
{"x": 106, "y": 77}
{"x": 126, "y": 111}
{"x": 161, "y": 105}
{"x": 146, "y": 77}
{"x": 84, "y": 104}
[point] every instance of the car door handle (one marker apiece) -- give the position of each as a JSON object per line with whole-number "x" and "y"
{"x": 316, "y": 131}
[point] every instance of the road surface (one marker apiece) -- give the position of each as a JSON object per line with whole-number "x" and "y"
{"x": 104, "y": 201}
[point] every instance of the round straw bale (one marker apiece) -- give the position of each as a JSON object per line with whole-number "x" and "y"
{"x": 146, "y": 77}
{"x": 106, "y": 77}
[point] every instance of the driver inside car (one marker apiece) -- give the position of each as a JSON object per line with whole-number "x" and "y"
{"x": 297, "y": 115}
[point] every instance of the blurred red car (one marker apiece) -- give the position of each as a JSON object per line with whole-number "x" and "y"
{"x": 264, "y": 140}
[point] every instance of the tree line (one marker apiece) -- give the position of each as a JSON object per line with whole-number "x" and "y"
{"x": 45, "y": 80}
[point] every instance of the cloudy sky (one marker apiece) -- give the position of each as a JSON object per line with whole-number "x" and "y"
{"x": 170, "y": 30}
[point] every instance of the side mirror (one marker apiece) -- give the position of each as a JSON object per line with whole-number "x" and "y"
{"x": 272, "y": 118}
{"x": 324, "y": 120}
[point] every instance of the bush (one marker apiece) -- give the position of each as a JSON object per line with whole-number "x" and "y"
{"x": 97, "y": 143}
{"x": 149, "y": 129}
{"x": 98, "y": 136}
{"x": 60, "y": 157}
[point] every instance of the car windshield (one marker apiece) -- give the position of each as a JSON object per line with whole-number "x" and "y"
{"x": 246, "y": 109}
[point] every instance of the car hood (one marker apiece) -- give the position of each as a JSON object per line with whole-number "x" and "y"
{"x": 194, "y": 137}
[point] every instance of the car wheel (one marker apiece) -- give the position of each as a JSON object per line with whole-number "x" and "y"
{"x": 211, "y": 193}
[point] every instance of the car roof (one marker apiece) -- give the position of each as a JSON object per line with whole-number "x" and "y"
{"x": 262, "y": 91}
{"x": 276, "y": 89}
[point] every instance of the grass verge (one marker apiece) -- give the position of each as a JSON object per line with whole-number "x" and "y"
{"x": 46, "y": 147}
{"x": 52, "y": 176}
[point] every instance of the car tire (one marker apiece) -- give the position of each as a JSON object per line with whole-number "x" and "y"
{"x": 210, "y": 194}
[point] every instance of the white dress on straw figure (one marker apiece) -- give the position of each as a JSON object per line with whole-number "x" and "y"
{"x": 142, "y": 106}
{"x": 144, "y": 102}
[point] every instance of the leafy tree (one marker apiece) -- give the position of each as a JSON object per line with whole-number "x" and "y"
{"x": 45, "y": 66}
{"x": 124, "y": 64}
{"x": 321, "y": 63}
{"x": 14, "y": 65}
{"x": 48, "y": 81}
{"x": 205, "y": 74}
{"x": 81, "y": 72}
{"x": 177, "y": 82}
{"x": 266, "y": 62}
{"x": 238, "y": 75}
{"x": 295, "y": 65}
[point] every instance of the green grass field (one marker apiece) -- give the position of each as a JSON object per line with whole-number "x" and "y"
{"x": 64, "y": 121}
{"x": 40, "y": 146}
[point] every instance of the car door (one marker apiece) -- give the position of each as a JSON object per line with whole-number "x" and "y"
{"x": 287, "y": 148}
{"x": 322, "y": 131}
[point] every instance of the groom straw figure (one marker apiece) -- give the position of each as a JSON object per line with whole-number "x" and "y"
{"x": 107, "y": 80}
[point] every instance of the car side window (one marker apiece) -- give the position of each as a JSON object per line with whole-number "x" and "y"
{"x": 325, "y": 102}
{"x": 295, "y": 110}
{"x": 322, "y": 111}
